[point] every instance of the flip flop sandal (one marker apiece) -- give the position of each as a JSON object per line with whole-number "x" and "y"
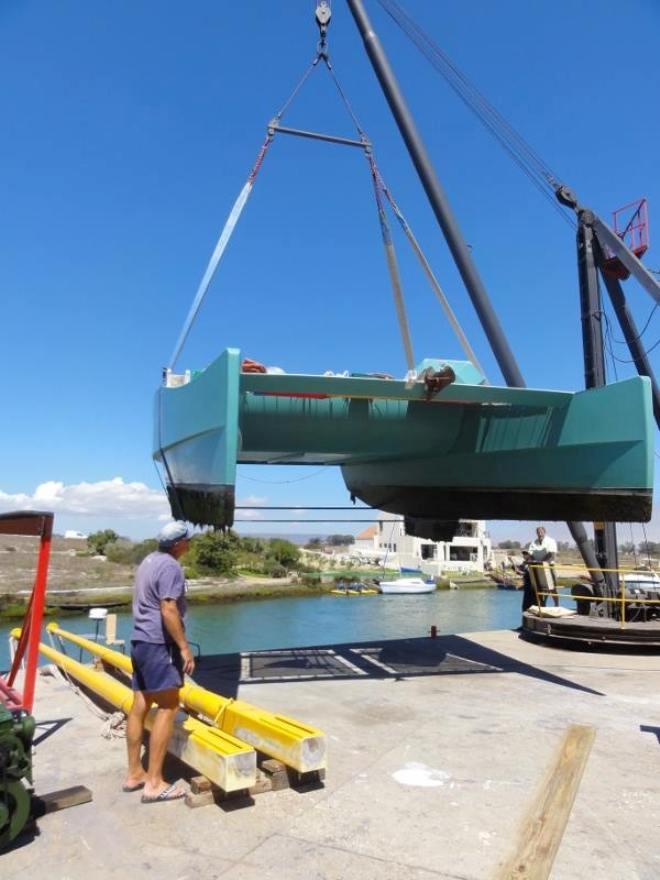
{"x": 130, "y": 788}
{"x": 165, "y": 795}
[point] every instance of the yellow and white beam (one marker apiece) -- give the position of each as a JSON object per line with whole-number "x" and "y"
{"x": 297, "y": 745}
{"x": 227, "y": 761}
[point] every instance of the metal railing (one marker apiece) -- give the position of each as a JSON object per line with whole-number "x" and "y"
{"x": 638, "y": 599}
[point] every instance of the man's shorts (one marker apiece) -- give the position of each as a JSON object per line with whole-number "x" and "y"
{"x": 156, "y": 667}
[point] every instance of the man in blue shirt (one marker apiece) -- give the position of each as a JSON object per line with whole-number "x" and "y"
{"x": 161, "y": 656}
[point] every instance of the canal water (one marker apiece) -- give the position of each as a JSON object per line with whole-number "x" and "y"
{"x": 322, "y": 620}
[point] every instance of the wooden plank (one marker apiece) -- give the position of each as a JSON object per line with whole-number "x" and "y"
{"x": 264, "y": 783}
{"x": 199, "y": 799}
{"x": 60, "y": 800}
{"x": 199, "y": 784}
{"x": 543, "y": 827}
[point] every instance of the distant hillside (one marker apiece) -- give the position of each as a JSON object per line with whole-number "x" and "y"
{"x": 68, "y": 568}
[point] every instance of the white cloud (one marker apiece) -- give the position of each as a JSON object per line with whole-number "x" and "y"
{"x": 107, "y": 498}
{"x": 251, "y": 501}
{"x": 249, "y": 514}
{"x": 254, "y": 500}
{"x": 103, "y": 498}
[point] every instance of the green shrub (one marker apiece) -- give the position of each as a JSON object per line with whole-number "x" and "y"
{"x": 143, "y": 549}
{"x": 284, "y": 552}
{"x": 98, "y": 541}
{"x": 213, "y": 553}
{"x": 119, "y": 552}
{"x": 275, "y": 570}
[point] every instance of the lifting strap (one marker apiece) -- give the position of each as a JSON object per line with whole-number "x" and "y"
{"x": 393, "y": 267}
{"x": 219, "y": 250}
{"x": 433, "y": 281}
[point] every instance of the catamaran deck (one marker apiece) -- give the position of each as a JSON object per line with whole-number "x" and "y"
{"x": 436, "y": 750}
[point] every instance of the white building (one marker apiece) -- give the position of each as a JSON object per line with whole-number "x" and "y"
{"x": 470, "y": 549}
{"x": 366, "y": 543}
{"x": 78, "y": 536}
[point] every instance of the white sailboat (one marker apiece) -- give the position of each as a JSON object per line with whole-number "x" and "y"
{"x": 407, "y": 585}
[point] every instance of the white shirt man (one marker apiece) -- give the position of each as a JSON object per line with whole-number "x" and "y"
{"x": 543, "y": 548}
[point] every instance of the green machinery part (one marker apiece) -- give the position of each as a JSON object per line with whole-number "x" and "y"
{"x": 16, "y": 733}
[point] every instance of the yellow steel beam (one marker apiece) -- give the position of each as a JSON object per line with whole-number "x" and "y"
{"x": 297, "y": 745}
{"x": 225, "y": 760}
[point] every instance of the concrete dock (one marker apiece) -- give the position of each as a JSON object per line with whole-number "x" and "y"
{"x": 437, "y": 751}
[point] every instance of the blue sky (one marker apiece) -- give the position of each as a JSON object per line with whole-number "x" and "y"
{"x": 129, "y": 129}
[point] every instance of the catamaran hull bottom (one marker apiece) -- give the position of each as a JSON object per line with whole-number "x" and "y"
{"x": 202, "y": 504}
{"x": 427, "y": 504}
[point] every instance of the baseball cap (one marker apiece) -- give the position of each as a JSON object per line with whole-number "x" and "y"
{"x": 171, "y": 533}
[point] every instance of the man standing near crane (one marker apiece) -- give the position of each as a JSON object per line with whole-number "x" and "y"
{"x": 161, "y": 655}
{"x": 544, "y": 549}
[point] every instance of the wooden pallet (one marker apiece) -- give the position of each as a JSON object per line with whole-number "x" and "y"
{"x": 272, "y": 775}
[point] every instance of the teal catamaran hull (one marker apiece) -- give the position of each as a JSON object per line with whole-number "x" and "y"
{"x": 437, "y": 449}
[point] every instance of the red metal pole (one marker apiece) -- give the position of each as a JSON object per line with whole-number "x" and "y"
{"x": 37, "y": 613}
{"x": 22, "y": 642}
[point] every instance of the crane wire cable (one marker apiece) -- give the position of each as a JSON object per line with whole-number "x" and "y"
{"x": 344, "y": 98}
{"x": 621, "y": 360}
{"x": 433, "y": 281}
{"x": 298, "y": 87}
{"x": 467, "y": 90}
{"x": 642, "y": 331}
{"x": 520, "y": 151}
{"x": 393, "y": 268}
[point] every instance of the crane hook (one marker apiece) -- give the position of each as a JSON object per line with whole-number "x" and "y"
{"x": 323, "y": 15}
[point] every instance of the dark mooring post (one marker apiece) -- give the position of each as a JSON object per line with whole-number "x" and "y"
{"x": 594, "y": 376}
{"x": 451, "y": 231}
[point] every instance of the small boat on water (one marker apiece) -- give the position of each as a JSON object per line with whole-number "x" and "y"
{"x": 407, "y": 586}
{"x": 642, "y": 582}
{"x": 354, "y": 589}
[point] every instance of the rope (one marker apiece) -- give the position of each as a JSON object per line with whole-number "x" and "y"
{"x": 178, "y": 512}
{"x": 115, "y": 726}
{"x": 219, "y": 250}
{"x": 522, "y": 153}
{"x": 433, "y": 281}
{"x": 393, "y": 268}
{"x": 78, "y": 691}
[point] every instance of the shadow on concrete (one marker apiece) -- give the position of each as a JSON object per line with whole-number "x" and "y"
{"x": 398, "y": 659}
{"x": 51, "y": 728}
{"x": 27, "y": 836}
{"x": 648, "y": 728}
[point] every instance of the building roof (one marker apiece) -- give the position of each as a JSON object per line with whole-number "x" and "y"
{"x": 367, "y": 533}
